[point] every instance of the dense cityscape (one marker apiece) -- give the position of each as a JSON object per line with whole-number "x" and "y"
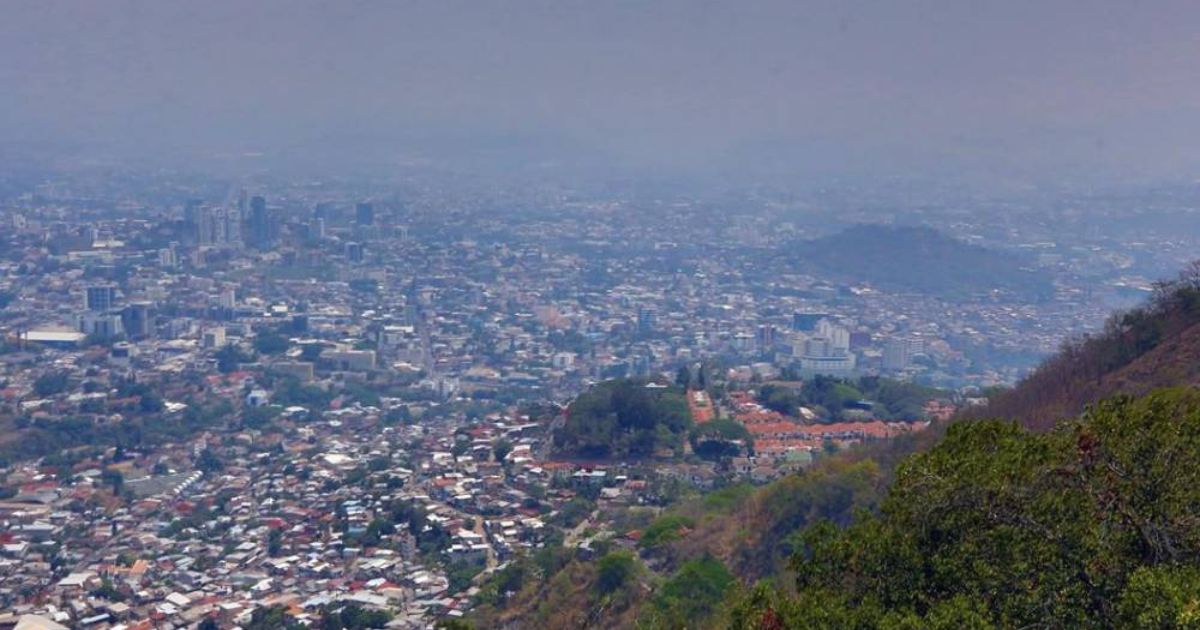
{"x": 563, "y": 315}
{"x": 228, "y": 398}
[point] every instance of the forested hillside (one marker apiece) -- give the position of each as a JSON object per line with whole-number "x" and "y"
{"x": 922, "y": 260}
{"x": 624, "y": 418}
{"x": 1091, "y": 525}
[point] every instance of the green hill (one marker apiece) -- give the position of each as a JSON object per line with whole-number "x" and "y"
{"x": 624, "y": 418}
{"x": 921, "y": 260}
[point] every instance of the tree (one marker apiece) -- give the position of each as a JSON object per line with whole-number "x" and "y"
{"x": 272, "y": 618}
{"x": 1089, "y": 526}
{"x": 270, "y": 342}
{"x": 614, "y": 570}
{"x": 208, "y": 461}
{"x": 51, "y": 384}
{"x": 501, "y": 448}
{"x": 717, "y": 439}
{"x": 694, "y": 592}
{"x": 209, "y": 624}
{"x": 781, "y": 399}
{"x": 460, "y": 575}
{"x": 229, "y": 357}
{"x": 114, "y": 478}
{"x": 275, "y": 543}
{"x": 683, "y": 377}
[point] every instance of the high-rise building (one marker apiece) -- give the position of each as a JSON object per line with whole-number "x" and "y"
{"x": 233, "y": 227}
{"x": 191, "y": 213}
{"x": 896, "y": 355}
{"x": 825, "y": 349}
{"x": 206, "y": 227}
{"x": 259, "y": 223}
{"x": 219, "y": 226}
{"x": 354, "y": 252}
{"x": 138, "y": 320}
{"x": 364, "y": 214}
{"x": 766, "y": 337}
{"x": 228, "y": 299}
{"x": 100, "y": 297}
{"x": 647, "y": 319}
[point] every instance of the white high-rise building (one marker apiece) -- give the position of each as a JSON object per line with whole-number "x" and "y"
{"x": 824, "y": 350}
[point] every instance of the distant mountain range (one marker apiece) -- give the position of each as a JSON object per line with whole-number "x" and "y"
{"x": 921, "y": 260}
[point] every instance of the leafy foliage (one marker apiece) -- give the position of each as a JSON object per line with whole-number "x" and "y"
{"x": 720, "y": 438}
{"x": 692, "y": 594}
{"x": 1000, "y": 527}
{"x": 270, "y": 341}
{"x": 614, "y": 571}
{"x": 624, "y": 418}
{"x": 352, "y": 617}
{"x": 664, "y": 530}
{"x": 51, "y": 383}
{"x": 894, "y": 399}
{"x": 273, "y": 618}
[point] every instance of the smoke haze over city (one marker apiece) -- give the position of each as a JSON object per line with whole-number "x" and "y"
{"x": 771, "y": 88}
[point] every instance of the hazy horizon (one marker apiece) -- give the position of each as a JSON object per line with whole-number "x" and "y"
{"x": 1053, "y": 88}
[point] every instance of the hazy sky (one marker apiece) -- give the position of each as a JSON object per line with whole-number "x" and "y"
{"x": 1072, "y": 85}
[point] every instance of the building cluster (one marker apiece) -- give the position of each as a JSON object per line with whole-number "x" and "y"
{"x": 222, "y": 402}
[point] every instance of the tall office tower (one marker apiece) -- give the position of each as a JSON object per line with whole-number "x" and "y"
{"x": 364, "y": 214}
{"x": 233, "y": 227}
{"x": 191, "y": 213}
{"x": 766, "y": 337}
{"x": 259, "y": 223}
{"x": 99, "y": 297}
{"x": 647, "y": 320}
{"x": 138, "y": 320}
{"x": 205, "y": 227}
{"x": 320, "y": 228}
{"x": 354, "y": 252}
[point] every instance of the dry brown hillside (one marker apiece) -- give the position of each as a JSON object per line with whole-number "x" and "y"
{"x": 1155, "y": 345}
